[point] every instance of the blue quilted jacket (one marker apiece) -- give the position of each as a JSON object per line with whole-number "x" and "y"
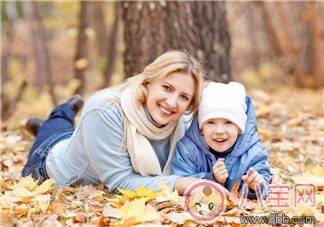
{"x": 193, "y": 157}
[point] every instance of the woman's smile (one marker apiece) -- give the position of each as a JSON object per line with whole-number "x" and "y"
{"x": 165, "y": 112}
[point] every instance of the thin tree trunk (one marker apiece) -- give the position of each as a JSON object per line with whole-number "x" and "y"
{"x": 270, "y": 29}
{"x": 289, "y": 44}
{"x": 8, "y": 106}
{"x": 80, "y": 58}
{"x": 304, "y": 67}
{"x": 99, "y": 26}
{"x": 42, "y": 52}
{"x": 252, "y": 30}
{"x": 318, "y": 47}
{"x": 112, "y": 47}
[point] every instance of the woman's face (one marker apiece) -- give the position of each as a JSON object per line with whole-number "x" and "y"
{"x": 169, "y": 98}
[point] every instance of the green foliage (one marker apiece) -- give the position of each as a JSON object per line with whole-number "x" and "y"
{"x": 3, "y": 15}
{"x": 4, "y": 10}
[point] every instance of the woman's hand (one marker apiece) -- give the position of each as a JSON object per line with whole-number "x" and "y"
{"x": 183, "y": 183}
{"x": 253, "y": 179}
{"x": 220, "y": 172}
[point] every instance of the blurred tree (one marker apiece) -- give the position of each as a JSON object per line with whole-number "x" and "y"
{"x": 252, "y": 25}
{"x": 39, "y": 39}
{"x": 318, "y": 40}
{"x": 80, "y": 58}
{"x": 112, "y": 47}
{"x": 270, "y": 29}
{"x": 99, "y": 26}
{"x": 309, "y": 70}
{"x": 106, "y": 41}
{"x": 151, "y": 28}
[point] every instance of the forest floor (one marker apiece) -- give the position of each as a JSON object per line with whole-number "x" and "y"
{"x": 291, "y": 126}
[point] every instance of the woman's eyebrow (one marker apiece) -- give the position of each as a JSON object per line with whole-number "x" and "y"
{"x": 185, "y": 93}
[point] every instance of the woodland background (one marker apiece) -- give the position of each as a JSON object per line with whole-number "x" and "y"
{"x": 53, "y": 49}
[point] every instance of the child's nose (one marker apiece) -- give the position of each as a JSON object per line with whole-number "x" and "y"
{"x": 219, "y": 129}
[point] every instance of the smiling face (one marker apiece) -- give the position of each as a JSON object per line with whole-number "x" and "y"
{"x": 220, "y": 134}
{"x": 169, "y": 98}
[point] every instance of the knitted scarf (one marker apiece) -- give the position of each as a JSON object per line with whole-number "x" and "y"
{"x": 138, "y": 132}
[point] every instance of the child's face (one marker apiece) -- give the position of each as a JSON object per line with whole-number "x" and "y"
{"x": 220, "y": 134}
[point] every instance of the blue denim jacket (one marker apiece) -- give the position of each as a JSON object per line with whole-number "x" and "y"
{"x": 193, "y": 157}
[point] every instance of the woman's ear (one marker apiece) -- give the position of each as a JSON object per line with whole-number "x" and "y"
{"x": 146, "y": 83}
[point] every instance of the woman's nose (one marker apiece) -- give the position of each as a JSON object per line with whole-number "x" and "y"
{"x": 172, "y": 101}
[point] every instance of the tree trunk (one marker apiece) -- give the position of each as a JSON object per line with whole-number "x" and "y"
{"x": 41, "y": 48}
{"x": 151, "y": 28}
{"x": 99, "y": 26}
{"x": 270, "y": 29}
{"x": 252, "y": 25}
{"x": 112, "y": 47}
{"x": 211, "y": 30}
{"x": 318, "y": 47}
{"x": 80, "y": 58}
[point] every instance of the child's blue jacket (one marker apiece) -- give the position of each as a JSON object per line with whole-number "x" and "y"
{"x": 193, "y": 157}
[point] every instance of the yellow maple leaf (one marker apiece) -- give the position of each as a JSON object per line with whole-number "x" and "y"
{"x": 139, "y": 193}
{"x": 45, "y": 186}
{"x": 138, "y": 212}
{"x": 27, "y": 182}
{"x": 166, "y": 195}
{"x": 317, "y": 171}
{"x": 40, "y": 204}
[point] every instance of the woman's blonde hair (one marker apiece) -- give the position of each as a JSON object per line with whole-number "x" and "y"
{"x": 171, "y": 61}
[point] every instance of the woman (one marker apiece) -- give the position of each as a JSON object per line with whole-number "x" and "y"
{"x": 127, "y": 134}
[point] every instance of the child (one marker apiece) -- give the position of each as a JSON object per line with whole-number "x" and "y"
{"x": 222, "y": 143}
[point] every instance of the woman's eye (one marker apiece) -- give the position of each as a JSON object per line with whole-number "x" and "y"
{"x": 166, "y": 88}
{"x": 228, "y": 122}
{"x": 184, "y": 97}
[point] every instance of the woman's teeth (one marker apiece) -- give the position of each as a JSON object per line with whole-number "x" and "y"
{"x": 165, "y": 111}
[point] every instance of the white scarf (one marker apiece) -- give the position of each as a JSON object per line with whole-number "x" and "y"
{"x": 138, "y": 132}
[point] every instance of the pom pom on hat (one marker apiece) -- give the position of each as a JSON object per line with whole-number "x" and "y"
{"x": 226, "y": 101}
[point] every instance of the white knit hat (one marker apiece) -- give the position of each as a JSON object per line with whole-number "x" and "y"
{"x": 223, "y": 101}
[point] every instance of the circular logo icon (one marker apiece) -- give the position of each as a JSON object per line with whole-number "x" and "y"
{"x": 205, "y": 201}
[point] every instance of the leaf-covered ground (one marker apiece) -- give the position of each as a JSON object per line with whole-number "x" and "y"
{"x": 291, "y": 126}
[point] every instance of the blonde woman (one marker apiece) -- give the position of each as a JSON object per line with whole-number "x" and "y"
{"x": 127, "y": 134}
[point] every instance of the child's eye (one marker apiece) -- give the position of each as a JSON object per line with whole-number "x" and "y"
{"x": 228, "y": 122}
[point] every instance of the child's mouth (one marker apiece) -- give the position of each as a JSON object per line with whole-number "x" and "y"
{"x": 221, "y": 140}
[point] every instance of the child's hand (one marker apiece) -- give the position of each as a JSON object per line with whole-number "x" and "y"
{"x": 253, "y": 179}
{"x": 220, "y": 171}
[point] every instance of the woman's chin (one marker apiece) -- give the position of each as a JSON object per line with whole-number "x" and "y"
{"x": 161, "y": 120}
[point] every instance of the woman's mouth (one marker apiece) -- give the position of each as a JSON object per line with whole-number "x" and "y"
{"x": 165, "y": 112}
